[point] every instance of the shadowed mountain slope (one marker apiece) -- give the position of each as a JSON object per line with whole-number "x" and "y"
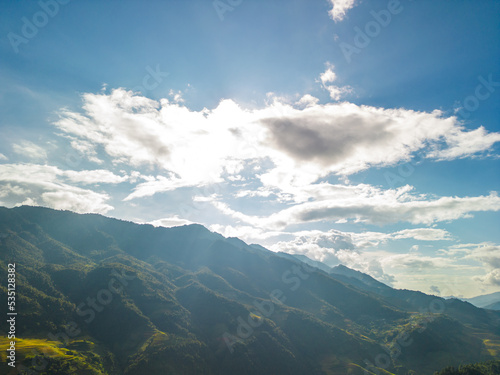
{"x": 97, "y": 295}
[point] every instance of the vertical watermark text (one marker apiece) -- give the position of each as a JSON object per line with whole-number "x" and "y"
{"x": 11, "y": 314}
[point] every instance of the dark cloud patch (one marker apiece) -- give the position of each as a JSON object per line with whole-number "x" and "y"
{"x": 417, "y": 263}
{"x": 434, "y": 289}
{"x": 326, "y": 141}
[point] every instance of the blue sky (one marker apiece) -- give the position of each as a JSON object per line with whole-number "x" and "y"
{"x": 358, "y": 132}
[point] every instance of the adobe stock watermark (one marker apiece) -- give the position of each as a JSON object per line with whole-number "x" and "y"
{"x": 73, "y": 158}
{"x": 371, "y": 30}
{"x": 87, "y": 310}
{"x": 402, "y": 172}
{"x": 202, "y": 196}
{"x": 403, "y": 339}
{"x": 31, "y": 26}
{"x": 294, "y": 277}
{"x": 482, "y": 92}
{"x": 223, "y": 6}
{"x": 151, "y": 80}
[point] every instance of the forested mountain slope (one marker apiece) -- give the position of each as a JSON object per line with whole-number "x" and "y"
{"x": 102, "y": 296}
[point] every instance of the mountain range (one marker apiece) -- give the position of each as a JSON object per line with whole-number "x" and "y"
{"x": 96, "y": 295}
{"x": 486, "y": 301}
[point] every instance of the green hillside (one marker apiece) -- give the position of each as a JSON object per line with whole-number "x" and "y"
{"x": 102, "y": 296}
{"x": 487, "y": 368}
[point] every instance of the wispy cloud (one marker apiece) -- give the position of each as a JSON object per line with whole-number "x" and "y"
{"x": 33, "y": 184}
{"x": 30, "y": 151}
{"x": 364, "y": 203}
{"x": 327, "y": 78}
{"x": 463, "y": 144}
{"x": 154, "y": 185}
{"x": 423, "y": 234}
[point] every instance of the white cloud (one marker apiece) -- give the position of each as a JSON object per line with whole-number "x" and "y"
{"x": 360, "y": 250}
{"x": 154, "y": 185}
{"x": 415, "y": 211}
{"x": 423, "y": 234}
{"x": 96, "y": 176}
{"x": 239, "y": 216}
{"x": 3, "y": 157}
{"x": 9, "y": 189}
{"x": 194, "y": 146}
{"x": 337, "y": 92}
{"x": 327, "y": 78}
{"x": 462, "y": 144}
{"x": 297, "y": 145}
{"x": 168, "y": 222}
{"x": 307, "y": 101}
{"x": 278, "y": 154}
{"x": 244, "y": 232}
{"x": 415, "y": 262}
{"x": 414, "y": 249}
{"x": 317, "y": 245}
{"x": 52, "y": 187}
{"x": 340, "y": 8}
{"x": 335, "y": 248}
{"x": 259, "y": 192}
{"x": 75, "y": 199}
{"x": 27, "y": 173}
{"x": 491, "y": 278}
{"x": 365, "y": 203}
{"x": 374, "y": 239}
{"x": 29, "y": 150}
{"x": 486, "y": 253}
{"x": 204, "y": 198}
{"x": 344, "y": 138}
{"x": 84, "y": 149}
{"x": 176, "y": 96}
{"x": 328, "y": 75}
